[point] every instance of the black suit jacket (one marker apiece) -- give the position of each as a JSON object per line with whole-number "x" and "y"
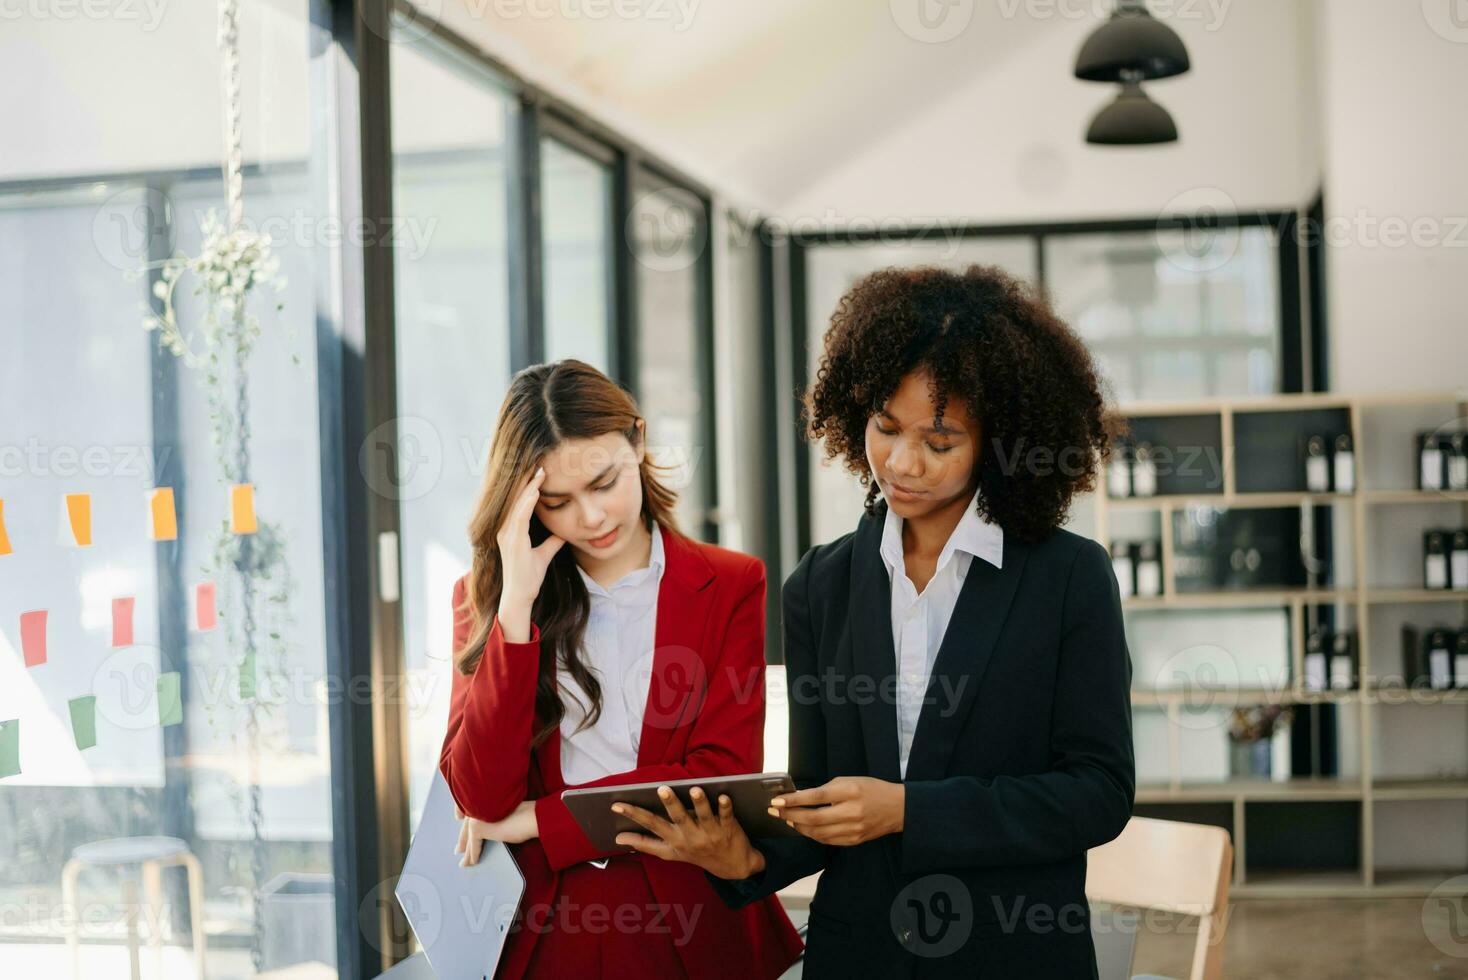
{"x": 1022, "y": 761}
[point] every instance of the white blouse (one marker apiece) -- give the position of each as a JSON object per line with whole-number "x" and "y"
{"x": 618, "y": 647}
{"x": 919, "y": 621}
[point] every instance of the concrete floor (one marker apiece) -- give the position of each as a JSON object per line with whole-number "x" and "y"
{"x": 1359, "y": 939}
{"x": 1341, "y": 939}
{"x": 1344, "y": 939}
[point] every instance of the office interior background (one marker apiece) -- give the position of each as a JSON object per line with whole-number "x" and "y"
{"x": 226, "y": 565}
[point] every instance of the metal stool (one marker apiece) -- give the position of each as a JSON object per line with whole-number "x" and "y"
{"x": 153, "y": 854}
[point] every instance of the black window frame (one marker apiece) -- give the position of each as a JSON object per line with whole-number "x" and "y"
{"x": 1293, "y": 338}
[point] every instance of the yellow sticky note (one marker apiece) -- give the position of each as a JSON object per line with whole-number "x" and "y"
{"x": 76, "y": 520}
{"x": 163, "y": 515}
{"x": 242, "y": 508}
{"x": 4, "y": 538}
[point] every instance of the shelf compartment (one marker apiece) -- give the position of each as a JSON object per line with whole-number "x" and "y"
{"x": 1380, "y": 596}
{"x": 1390, "y": 497}
{"x": 1241, "y": 598}
{"x": 1303, "y": 789}
{"x": 1446, "y": 788}
{"x": 1231, "y": 500}
{"x": 1286, "y": 883}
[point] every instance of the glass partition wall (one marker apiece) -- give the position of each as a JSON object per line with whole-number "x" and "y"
{"x": 225, "y": 579}
{"x": 165, "y": 751}
{"x": 1169, "y": 310}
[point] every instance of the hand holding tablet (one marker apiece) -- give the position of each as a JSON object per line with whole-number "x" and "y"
{"x": 749, "y": 801}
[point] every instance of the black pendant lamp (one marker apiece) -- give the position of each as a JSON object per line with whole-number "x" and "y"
{"x": 1132, "y": 47}
{"x": 1132, "y": 43}
{"x": 1132, "y": 120}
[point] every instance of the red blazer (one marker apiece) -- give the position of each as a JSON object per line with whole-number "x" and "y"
{"x": 704, "y": 717}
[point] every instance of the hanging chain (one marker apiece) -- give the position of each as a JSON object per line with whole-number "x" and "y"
{"x": 234, "y": 189}
{"x": 229, "y": 66}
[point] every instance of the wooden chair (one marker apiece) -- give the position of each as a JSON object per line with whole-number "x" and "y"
{"x": 1170, "y": 866}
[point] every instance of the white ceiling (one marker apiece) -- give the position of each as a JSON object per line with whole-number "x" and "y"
{"x": 832, "y": 111}
{"x": 761, "y": 97}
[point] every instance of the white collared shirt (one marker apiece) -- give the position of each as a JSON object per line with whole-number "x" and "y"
{"x": 919, "y": 621}
{"x": 618, "y": 646}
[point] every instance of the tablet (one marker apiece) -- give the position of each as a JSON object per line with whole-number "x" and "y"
{"x": 751, "y": 795}
{"x": 461, "y": 916}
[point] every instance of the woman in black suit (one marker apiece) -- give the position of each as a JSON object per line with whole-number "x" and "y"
{"x": 960, "y": 720}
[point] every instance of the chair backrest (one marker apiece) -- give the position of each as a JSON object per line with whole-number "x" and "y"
{"x": 1171, "y": 866}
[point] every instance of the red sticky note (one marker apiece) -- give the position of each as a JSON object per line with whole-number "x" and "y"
{"x": 205, "y": 616}
{"x": 33, "y": 637}
{"x": 122, "y": 621}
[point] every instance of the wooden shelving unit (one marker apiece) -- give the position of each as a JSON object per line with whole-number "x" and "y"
{"x": 1380, "y": 487}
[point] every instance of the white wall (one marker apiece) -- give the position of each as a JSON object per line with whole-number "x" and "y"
{"x": 1393, "y": 78}
{"x": 1007, "y": 143}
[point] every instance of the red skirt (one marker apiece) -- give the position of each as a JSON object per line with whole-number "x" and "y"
{"x": 607, "y": 923}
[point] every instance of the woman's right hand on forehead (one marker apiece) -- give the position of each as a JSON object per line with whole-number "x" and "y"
{"x": 522, "y": 564}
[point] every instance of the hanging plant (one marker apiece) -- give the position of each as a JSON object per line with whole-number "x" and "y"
{"x": 230, "y": 266}
{"x": 233, "y": 268}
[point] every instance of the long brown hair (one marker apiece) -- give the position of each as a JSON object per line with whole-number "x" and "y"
{"x": 546, "y": 405}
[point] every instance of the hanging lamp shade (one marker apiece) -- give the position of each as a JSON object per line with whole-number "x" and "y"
{"x": 1132, "y": 44}
{"x": 1132, "y": 119}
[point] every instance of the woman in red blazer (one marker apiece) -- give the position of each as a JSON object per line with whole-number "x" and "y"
{"x": 543, "y": 681}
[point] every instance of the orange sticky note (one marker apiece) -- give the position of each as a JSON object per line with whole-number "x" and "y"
{"x": 122, "y": 621}
{"x": 4, "y": 538}
{"x": 205, "y": 615}
{"x": 242, "y": 508}
{"x": 33, "y": 637}
{"x": 163, "y": 515}
{"x": 76, "y": 520}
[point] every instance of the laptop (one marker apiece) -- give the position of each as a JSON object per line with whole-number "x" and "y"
{"x": 461, "y": 916}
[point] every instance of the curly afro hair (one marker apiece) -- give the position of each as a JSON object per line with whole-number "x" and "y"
{"x": 993, "y": 342}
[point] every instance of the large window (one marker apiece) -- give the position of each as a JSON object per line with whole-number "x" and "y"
{"x": 163, "y": 692}
{"x": 451, "y": 182}
{"x": 1173, "y": 314}
{"x": 197, "y": 574}
{"x": 576, "y": 237}
{"x": 670, "y": 241}
{"x": 1168, "y": 313}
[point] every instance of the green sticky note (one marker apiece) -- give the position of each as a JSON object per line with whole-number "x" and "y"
{"x": 247, "y": 677}
{"x": 170, "y": 699}
{"x": 10, "y": 748}
{"x": 84, "y": 720}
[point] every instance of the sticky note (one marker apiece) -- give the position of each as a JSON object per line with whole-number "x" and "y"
{"x": 76, "y": 520}
{"x": 33, "y": 637}
{"x": 242, "y": 509}
{"x": 162, "y": 515}
{"x": 4, "y": 538}
{"x": 10, "y": 748}
{"x": 205, "y": 615}
{"x": 170, "y": 699}
{"x": 84, "y": 720}
{"x": 122, "y": 620}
